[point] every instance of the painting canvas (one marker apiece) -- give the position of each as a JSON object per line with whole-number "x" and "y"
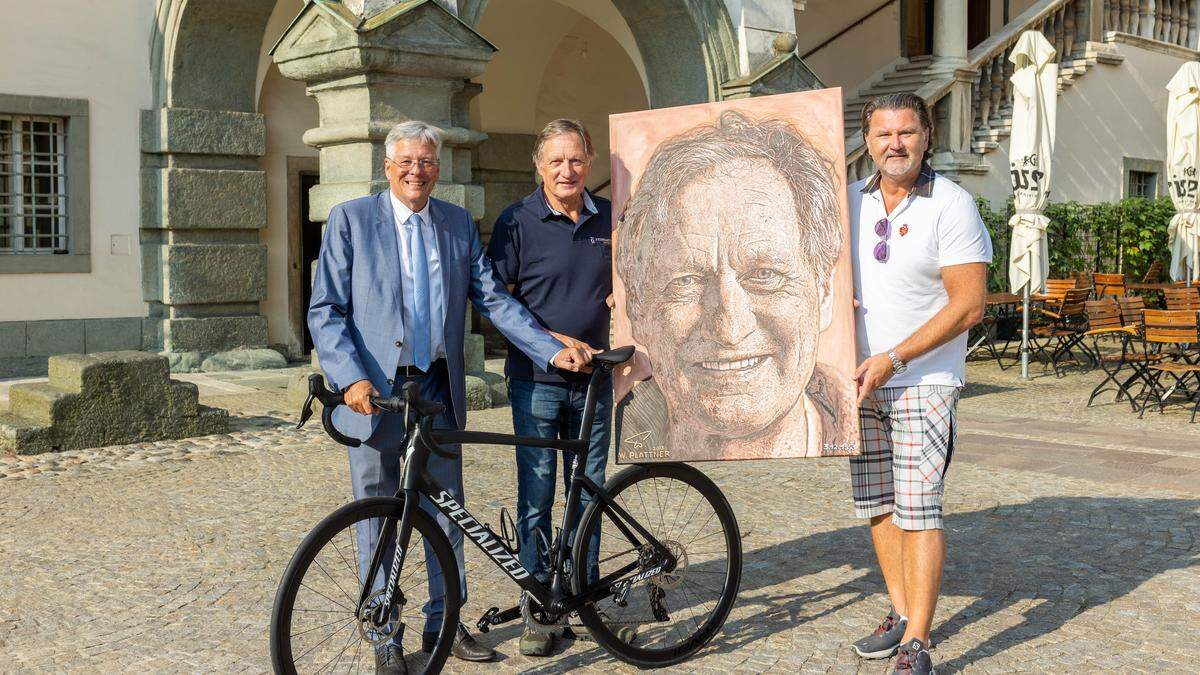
{"x": 732, "y": 276}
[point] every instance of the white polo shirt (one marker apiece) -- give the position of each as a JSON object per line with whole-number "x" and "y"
{"x": 936, "y": 226}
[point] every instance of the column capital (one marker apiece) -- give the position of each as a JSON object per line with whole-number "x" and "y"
{"x": 394, "y": 62}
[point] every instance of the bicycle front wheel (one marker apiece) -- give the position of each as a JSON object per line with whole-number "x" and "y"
{"x": 666, "y": 618}
{"x": 318, "y": 624}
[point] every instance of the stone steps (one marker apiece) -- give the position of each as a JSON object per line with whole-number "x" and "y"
{"x": 910, "y": 76}
{"x": 107, "y": 398}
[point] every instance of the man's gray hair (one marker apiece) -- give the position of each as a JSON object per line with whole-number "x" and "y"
{"x": 690, "y": 156}
{"x": 559, "y": 127}
{"x": 412, "y": 130}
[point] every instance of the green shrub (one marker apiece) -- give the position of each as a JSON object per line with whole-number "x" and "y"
{"x": 1125, "y": 236}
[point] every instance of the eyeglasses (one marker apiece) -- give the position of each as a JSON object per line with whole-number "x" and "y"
{"x": 883, "y": 229}
{"x": 407, "y": 164}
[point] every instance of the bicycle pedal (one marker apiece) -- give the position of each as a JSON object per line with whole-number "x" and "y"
{"x": 495, "y": 617}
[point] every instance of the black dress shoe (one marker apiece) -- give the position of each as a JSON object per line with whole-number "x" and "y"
{"x": 389, "y": 660}
{"x": 465, "y": 647}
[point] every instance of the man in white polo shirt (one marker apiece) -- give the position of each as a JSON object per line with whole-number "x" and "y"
{"x": 921, "y": 253}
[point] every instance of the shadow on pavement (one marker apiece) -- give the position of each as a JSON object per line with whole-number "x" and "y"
{"x": 1060, "y": 556}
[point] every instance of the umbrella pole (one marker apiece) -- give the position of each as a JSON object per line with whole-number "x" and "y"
{"x": 1025, "y": 334}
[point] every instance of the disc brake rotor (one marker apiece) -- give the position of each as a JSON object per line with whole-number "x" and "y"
{"x": 671, "y": 580}
{"x": 371, "y": 630}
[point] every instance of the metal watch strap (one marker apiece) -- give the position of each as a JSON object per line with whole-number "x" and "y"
{"x": 898, "y": 366}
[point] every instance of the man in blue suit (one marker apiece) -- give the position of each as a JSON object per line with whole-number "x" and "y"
{"x": 394, "y": 275}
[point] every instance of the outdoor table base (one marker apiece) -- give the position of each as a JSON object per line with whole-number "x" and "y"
{"x": 1000, "y": 316}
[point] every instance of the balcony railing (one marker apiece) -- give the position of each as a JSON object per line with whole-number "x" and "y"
{"x": 977, "y": 98}
{"x": 1170, "y": 21}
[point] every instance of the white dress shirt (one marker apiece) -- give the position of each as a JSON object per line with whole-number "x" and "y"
{"x": 437, "y": 294}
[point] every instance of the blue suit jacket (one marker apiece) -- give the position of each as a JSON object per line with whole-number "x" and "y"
{"x": 355, "y": 313}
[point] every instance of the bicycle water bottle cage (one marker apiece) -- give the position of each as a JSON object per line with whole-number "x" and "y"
{"x": 508, "y": 531}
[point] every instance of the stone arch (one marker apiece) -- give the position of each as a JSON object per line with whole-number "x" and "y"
{"x": 688, "y": 46}
{"x": 204, "y": 53}
{"x": 204, "y": 268}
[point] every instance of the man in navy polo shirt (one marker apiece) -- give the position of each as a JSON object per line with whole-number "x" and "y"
{"x": 554, "y": 251}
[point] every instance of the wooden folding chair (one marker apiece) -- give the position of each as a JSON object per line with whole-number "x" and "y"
{"x": 1083, "y": 280}
{"x": 1154, "y": 274}
{"x": 1182, "y": 299}
{"x": 1132, "y": 307}
{"x": 1056, "y": 288}
{"x": 1108, "y": 284}
{"x": 1105, "y": 321}
{"x": 1175, "y": 333}
{"x": 1065, "y": 332}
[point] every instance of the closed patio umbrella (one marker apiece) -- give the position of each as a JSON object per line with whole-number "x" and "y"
{"x": 1183, "y": 164}
{"x": 1035, "y": 96}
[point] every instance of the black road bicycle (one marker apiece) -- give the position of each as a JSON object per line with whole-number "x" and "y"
{"x": 670, "y": 557}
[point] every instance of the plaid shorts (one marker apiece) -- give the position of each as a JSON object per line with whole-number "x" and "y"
{"x": 907, "y": 443}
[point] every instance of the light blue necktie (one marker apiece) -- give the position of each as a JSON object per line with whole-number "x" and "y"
{"x": 420, "y": 266}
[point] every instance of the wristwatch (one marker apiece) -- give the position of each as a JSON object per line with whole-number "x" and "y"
{"x": 898, "y": 366}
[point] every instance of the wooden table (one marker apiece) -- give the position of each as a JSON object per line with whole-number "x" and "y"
{"x": 1156, "y": 286}
{"x": 1153, "y": 289}
{"x": 1000, "y": 299}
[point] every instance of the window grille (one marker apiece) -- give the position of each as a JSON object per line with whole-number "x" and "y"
{"x": 33, "y": 184}
{"x": 1143, "y": 184}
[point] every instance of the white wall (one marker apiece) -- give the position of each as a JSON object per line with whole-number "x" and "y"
{"x": 1110, "y": 113}
{"x": 563, "y": 64}
{"x": 589, "y": 80}
{"x": 856, "y": 55}
{"x": 99, "y": 52}
{"x": 757, "y": 23}
{"x": 288, "y": 112}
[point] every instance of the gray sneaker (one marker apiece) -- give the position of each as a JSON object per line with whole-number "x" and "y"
{"x": 885, "y": 640}
{"x": 533, "y": 643}
{"x": 914, "y": 659}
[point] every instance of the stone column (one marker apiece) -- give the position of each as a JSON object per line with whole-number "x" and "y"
{"x": 394, "y": 66}
{"x": 949, "y": 35}
{"x": 1146, "y": 20}
{"x": 1092, "y": 21}
{"x": 395, "y": 61}
{"x": 204, "y": 271}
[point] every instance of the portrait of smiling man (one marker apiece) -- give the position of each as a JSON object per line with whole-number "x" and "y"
{"x": 727, "y": 252}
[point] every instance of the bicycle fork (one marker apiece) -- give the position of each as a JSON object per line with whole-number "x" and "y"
{"x": 403, "y": 532}
{"x": 403, "y": 536}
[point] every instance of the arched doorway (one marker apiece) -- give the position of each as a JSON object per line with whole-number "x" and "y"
{"x": 219, "y": 273}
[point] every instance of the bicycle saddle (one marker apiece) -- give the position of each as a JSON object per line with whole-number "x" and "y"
{"x": 613, "y": 357}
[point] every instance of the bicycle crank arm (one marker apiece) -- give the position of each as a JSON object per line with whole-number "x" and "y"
{"x": 495, "y": 617}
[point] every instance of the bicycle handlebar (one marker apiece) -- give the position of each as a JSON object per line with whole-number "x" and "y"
{"x": 409, "y": 398}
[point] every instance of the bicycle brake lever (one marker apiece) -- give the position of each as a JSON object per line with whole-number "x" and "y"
{"x": 306, "y": 412}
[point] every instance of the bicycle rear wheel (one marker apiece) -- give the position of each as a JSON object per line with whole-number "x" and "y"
{"x": 674, "y": 613}
{"x": 317, "y": 625}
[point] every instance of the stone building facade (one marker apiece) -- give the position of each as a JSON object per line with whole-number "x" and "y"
{"x": 192, "y": 148}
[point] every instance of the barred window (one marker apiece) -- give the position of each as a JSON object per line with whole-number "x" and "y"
{"x": 1142, "y": 184}
{"x": 33, "y": 184}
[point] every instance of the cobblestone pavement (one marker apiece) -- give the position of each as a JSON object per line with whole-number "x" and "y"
{"x": 1074, "y": 544}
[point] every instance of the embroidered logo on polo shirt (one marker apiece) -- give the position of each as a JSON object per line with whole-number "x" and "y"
{"x": 903, "y": 230}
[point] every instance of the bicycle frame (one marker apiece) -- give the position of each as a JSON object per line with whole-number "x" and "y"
{"x": 552, "y": 597}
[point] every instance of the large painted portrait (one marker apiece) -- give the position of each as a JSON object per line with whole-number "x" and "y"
{"x": 732, "y": 277}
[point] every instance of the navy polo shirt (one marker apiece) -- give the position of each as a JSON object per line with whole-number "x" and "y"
{"x": 560, "y": 270}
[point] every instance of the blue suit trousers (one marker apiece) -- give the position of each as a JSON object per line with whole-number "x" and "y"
{"x": 375, "y": 472}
